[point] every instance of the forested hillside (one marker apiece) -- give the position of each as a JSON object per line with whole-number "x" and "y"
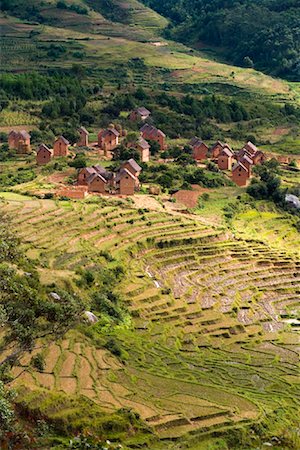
{"x": 260, "y": 33}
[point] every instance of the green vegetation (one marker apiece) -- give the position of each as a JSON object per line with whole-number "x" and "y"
{"x": 259, "y": 33}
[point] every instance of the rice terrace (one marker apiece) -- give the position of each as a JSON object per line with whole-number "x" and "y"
{"x": 149, "y": 225}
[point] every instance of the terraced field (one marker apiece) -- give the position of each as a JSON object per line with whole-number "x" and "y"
{"x": 212, "y": 343}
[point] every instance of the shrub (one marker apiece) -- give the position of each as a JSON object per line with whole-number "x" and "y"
{"x": 38, "y": 362}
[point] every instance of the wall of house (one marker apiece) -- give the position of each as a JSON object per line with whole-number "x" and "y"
{"x": 43, "y": 157}
{"x": 224, "y": 162}
{"x": 240, "y": 177}
{"x": 216, "y": 151}
{"x": 200, "y": 153}
{"x": 97, "y": 185}
{"x": 83, "y": 140}
{"x": 60, "y": 149}
{"x": 127, "y": 185}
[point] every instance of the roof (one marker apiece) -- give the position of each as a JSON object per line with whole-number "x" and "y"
{"x": 12, "y": 132}
{"x": 143, "y": 143}
{"x": 246, "y": 158}
{"x": 110, "y": 130}
{"x": 124, "y": 172}
{"x": 24, "y": 134}
{"x": 243, "y": 152}
{"x": 151, "y": 131}
{"x": 218, "y": 143}
{"x": 84, "y": 130}
{"x": 239, "y": 164}
{"x": 44, "y": 147}
{"x": 93, "y": 177}
{"x": 227, "y": 151}
{"x": 133, "y": 164}
{"x": 196, "y": 142}
{"x": 143, "y": 111}
{"x": 63, "y": 139}
{"x": 103, "y": 172}
{"x": 250, "y": 146}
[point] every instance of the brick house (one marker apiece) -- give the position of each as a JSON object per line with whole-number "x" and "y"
{"x": 108, "y": 139}
{"x": 149, "y": 132}
{"x": 250, "y": 150}
{"x": 258, "y": 158}
{"x": 247, "y": 162}
{"x": 97, "y": 183}
{"x": 225, "y": 159}
{"x": 139, "y": 114}
{"x": 200, "y": 149}
{"x": 12, "y": 139}
{"x": 126, "y": 182}
{"x": 43, "y": 155}
{"x": 216, "y": 149}
{"x": 61, "y": 147}
{"x": 86, "y": 177}
{"x": 240, "y": 174}
{"x": 20, "y": 141}
{"x": 143, "y": 149}
{"x": 83, "y": 140}
{"x": 132, "y": 166}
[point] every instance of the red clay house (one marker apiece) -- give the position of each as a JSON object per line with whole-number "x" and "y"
{"x": 108, "y": 139}
{"x": 200, "y": 149}
{"x": 133, "y": 167}
{"x": 247, "y": 162}
{"x": 126, "y": 182}
{"x": 240, "y": 174}
{"x": 139, "y": 114}
{"x": 83, "y": 140}
{"x": 43, "y": 155}
{"x": 61, "y": 147}
{"x": 216, "y": 149}
{"x": 250, "y": 150}
{"x": 143, "y": 149}
{"x": 20, "y": 141}
{"x": 149, "y": 132}
{"x": 225, "y": 159}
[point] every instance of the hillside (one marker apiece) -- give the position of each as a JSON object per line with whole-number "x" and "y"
{"x": 165, "y": 318}
{"x": 264, "y": 34}
{"x": 110, "y": 54}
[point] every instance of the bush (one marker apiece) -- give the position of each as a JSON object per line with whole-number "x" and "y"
{"x": 38, "y": 362}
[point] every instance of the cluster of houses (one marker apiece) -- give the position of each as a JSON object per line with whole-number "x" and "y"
{"x": 239, "y": 163}
{"x": 100, "y": 180}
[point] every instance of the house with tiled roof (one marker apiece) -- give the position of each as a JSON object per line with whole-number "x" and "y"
{"x": 199, "y": 149}
{"x": 240, "y": 174}
{"x": 150, "y": 133}
{"x": 44, "y": 155}
{"x": 225, "y": 158}
{"x": 139, "y": 114}
{"x": 61, "y": 147}
{"x": 143, "y": 149}
{"x": 216, "y": 149}
{"x": 83, "y": 140}
{"x": 126, "y": 182}
{"x": 108, "y": 139}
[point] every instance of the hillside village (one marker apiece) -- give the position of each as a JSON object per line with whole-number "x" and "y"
{"x": 236, "y": 165}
